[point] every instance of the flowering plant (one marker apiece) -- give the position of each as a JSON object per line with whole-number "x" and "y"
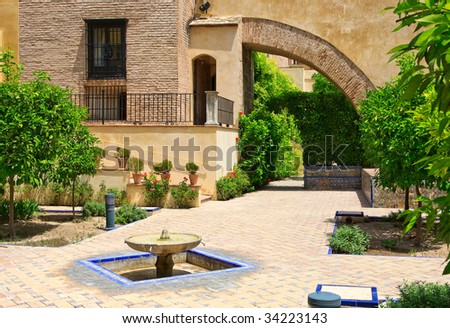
{"x": 183, "y": 194}
{"x": 155, "y": 190}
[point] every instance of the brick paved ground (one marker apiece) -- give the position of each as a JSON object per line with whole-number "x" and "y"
{"x": 281, "y": 230}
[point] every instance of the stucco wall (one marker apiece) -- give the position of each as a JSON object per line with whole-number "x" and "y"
{"x": 9, "y": 26}
{"x": 53, "y": 39}
{"x": 355, "y": 27}
{"x": 223, "y": 43}
{"x": 206, "y": 146}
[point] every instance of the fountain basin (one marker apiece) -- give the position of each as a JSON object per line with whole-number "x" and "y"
{"x": 137, "y": 269}
{"x": 153, "y": 243}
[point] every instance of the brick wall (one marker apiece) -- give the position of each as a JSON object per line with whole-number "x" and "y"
{"x": 53, "y": 39}
{"x": 280, "y": 39}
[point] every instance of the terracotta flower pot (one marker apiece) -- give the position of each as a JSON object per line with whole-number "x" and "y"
{"x": 193, "y": 178}
{"x": 165, "y": 176}
{"x": 122, "y": 162}
{"x": 138, "y": 178}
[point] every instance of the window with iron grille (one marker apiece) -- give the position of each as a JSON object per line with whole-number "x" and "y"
{"x": 106, "y": 49}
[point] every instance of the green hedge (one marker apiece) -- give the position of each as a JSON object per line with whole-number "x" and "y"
{"x": 327, "y": 121}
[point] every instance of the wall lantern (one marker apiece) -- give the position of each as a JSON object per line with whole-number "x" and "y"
{"x": 204, "y": 7}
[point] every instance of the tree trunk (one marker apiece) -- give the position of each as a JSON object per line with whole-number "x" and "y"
{"x": 12, "y": 231}
{"x": 406, "y": 199}
{"x": 73, "y": 197}
{"x": 418, "y": 240}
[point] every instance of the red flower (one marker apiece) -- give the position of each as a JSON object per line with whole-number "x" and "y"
{"x": 189, "y": 201}
{"x": 268, "y": 180}
{"x": 240, "y": 113}
{"x": 237, "y": 139}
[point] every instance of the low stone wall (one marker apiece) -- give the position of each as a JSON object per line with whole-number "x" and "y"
{"x": 381, "y": 197}
{"x": 332, "y": 177}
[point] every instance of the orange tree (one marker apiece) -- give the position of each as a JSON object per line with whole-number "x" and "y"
{"x": 34, "y": 117}
{"x": 431, "y": 22}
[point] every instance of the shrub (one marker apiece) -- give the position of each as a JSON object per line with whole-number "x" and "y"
{"x": 164, "y": 167}
{"x": 326, "y": 120}
{"x": 122, "y": 152}
{"x": 183, "y": 195}
{"x": 23, "y": 209}
{"x": 155, "y": 190}
{"x": 129, "y": 213}
{"x": 265, "y": 144}
{"x": 192, "y": 168}
{"x": 349, "y": 240}
{"x": 94, "y": 208}
{"x": 120, "y": 196}
{"x": 83, "y": 192}
{"x": 421, "y": 294}
{"x": 135, "y": 165}
{"x": 234, "y": 184}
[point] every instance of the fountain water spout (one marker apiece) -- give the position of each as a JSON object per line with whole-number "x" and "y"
{"x": 165, "y": 234}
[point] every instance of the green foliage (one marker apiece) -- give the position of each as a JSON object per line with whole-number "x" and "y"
{"x": 36, "y": 119}
{"x": 183, "y": 194}
{"x": 393, "y": 141}
{"x": 155, "y": 190}
{"x": 269, "y": 81}
{"x": 135, "y": 165}
{"x": 265, "y": 144}
{"x": 327, "y": 122}
{"x": 234, "y": 184}
{"x": 129, "y": 213}
{"x": 120, "y": 196}
{"x": 122, "y": 152}
{"x": 431, "y": 68}
{"x": 349, "y": 240}
{"x": 23, "y": 209}
{"x": 192, "y": 168}
{"x": 79, "y": 156}
{"x": 82, "y": 193}
{"x": 422, "y": 294}
{"x": 94, "y": 208}
{"x": 164, "y": 167}
{"x": 389, "y": 243}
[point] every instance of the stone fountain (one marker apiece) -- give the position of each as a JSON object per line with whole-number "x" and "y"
{"x": 164, "y": 245}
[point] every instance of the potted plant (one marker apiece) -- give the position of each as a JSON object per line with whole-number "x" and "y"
{"x": 136, "y": 165}
{"x": 192, "y": 168}
{"x": 122, "y": 155}
{"x": 163, "y": 168}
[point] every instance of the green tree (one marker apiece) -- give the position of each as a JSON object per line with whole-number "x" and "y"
{"x": 79, "y": 156}
{"x": 392, "y": 138}
{"x": 269, "y": 81}
{"x": 265, "y": 145}
{"x": 34, "y": 115}
{"x": 327, "y": 122}
{"x": 431, "y": 21}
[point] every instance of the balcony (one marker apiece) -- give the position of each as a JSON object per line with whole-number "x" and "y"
{"x": 108, "y": 105}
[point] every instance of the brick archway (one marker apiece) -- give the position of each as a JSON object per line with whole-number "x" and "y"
{"x": 285, "y": 40}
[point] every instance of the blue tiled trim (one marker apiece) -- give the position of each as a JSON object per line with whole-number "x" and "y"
{"x": 93, "y": 264}
{"x": 352, "y": 302}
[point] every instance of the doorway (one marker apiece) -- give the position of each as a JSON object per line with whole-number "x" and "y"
{"x": 204, "y": 76}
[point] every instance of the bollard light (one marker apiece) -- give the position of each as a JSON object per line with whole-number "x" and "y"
{"x": 110, "y": 208}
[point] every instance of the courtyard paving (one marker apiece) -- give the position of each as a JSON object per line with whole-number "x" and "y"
{"x": 282, "y": 231}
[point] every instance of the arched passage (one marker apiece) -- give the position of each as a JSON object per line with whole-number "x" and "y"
{"x": 280, "y": 39}
{"x": 204, "y": 76}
